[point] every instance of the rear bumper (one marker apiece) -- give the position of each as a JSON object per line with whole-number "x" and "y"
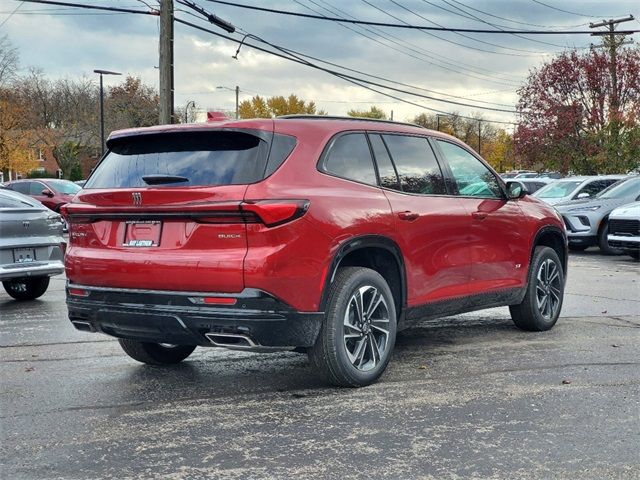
{"x": 31, "y": 269}
{"x": 181, "y": 318}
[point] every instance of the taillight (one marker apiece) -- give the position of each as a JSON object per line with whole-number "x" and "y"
{"x": 276, "y": 212}
{"x": 78, "y": 292}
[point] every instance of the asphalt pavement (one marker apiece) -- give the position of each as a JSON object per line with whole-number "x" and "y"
{"x": 464, "y": 397}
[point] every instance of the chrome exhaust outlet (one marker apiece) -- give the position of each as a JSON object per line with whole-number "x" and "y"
{"x": 231, "y": 340}
{"x": 83, "y": 326}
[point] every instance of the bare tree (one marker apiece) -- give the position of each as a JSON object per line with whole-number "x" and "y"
{"x": 9, "y": 61}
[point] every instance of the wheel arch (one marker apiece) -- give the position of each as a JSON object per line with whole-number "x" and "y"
{"x": 377, "y": 252}
{"x": 555, "y": 238}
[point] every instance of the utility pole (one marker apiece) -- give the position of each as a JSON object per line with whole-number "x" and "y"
{"x": 166, "y": 62}
{"x": 479, "y": 136}
{"x": 612, "y": 41}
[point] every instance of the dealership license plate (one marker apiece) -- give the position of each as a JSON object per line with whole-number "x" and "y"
{"x": 24, "y": 255}
{"x": 142, "y": 234}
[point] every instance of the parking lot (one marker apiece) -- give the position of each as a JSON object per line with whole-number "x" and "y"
{"x": 466, "y": 396}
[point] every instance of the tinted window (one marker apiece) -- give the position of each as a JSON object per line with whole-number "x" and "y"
{"x": 349, "y": 157}
{"x": 202, "y": 158}
{"x": 472, "y": 177}
{"x": 22, "y": 187}
{"x": 386, "y": 172}
{"x": 595, "y": 187}
{"x": 9, "y": 201}
{"x": 629, "y": 188}
{"x": 36, "y": 188}
{"x": 64, "y": 186}
{"x": 416, "y": 163}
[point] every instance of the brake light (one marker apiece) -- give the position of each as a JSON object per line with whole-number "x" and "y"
{"x": 276, "y": 212}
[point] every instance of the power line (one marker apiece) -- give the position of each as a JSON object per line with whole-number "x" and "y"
{"x": 290, "y": 55}
{"x": 563, "y": 11}
{"x": 516, "y": 21}
{"x": 416, "y": 49}
{"x": 411, "y": 27}
{"x": 91, "y": 7}
{"x": 11, "y": 14}
{"x": 440, "y": 26}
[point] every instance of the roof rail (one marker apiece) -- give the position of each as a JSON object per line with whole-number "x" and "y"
{"x": 337, "y": 117}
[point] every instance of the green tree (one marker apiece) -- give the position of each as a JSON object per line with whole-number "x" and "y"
{"x": 373, "y": 112}
{"x": 66, "y": 155}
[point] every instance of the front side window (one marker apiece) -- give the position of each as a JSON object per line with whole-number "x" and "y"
{"x": 416, "y": 163}
{"x": 471, "y": 176}
{"x": 36, "y": 188}
{"x": 349, "y": 157}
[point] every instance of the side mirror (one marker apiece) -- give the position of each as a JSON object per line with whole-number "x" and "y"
{"x": 47, "y": 193}
{"x": 516, "y": 190}
{"x": 583, "y": 195}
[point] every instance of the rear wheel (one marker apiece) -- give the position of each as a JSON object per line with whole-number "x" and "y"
{"x": 635, "y": 254}
{"x": 26, "y": 288}
{"x": 542, "y": 303}
{"x": 359, "y": 330}
{"x": 604, "y": 244}
{"x": 155, "y": 353}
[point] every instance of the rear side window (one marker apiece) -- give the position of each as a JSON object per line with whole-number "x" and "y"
{"x": 182, "y": 160}
{"x": 349, "y": 157}
{"x": 416, "y": 163}
{"x": 386, "y": 171}
{"x": 22, "y": 187}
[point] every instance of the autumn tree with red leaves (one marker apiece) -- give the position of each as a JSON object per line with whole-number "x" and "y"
{"x": 566, "y": 119}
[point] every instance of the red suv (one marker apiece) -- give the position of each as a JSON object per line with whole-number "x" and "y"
{"x": 323, "y": 235}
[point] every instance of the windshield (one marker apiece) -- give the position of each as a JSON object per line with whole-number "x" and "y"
{"x": 558, "y": 189}
{"x": 64, "y": 187}
{"x": 622, "y": 189}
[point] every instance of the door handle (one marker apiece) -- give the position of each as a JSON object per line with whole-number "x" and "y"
{"x": 408, "y": 216}
{"x": 479, "y": 215}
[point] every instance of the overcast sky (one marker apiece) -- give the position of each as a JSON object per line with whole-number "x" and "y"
{"x": 67, "y": 42}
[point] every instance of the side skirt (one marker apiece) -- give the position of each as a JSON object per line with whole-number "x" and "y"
{"x": 458, "y": 305}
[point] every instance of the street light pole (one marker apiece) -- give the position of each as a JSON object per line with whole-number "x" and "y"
{"x": 101, "y": 73}
{"x": 237, "y": 97}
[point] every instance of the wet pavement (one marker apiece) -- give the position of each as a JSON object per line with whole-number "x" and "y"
{"x": 464, "y": 397}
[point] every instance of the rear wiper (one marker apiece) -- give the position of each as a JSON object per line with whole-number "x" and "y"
{"x": 160, "y": 179}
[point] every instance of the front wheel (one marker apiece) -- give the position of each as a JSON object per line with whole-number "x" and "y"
{"x": 542, "y": 303}
{"x": 26, "y": 288}
{"x": 359, "y": 330}
{"x": 155, "y": 353}
{"x": 604, "y": 244}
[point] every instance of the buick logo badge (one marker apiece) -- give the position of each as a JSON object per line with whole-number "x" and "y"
{"x": 137, "y": 198}
{"x": 25, "y": 224}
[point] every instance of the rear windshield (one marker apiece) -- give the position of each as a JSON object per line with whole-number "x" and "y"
{"x": 188, "y": 159}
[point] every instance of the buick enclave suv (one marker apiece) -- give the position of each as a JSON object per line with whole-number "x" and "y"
{"x": 319, "y": 234}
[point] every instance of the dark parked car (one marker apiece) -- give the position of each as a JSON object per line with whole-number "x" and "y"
{"x": 52, "y": 193}
{"x": 319, "y": 234}
{"x": 31, "y": 245}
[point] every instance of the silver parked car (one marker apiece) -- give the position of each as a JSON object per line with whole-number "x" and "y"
{"x": 31, "y": 245}
{"x": 624, "y": 229}
{"x": 575, "y": 188}
{"x": 587, "y": 220}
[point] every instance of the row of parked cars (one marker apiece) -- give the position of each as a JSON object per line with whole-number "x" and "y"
{"x": 602, "y": 211}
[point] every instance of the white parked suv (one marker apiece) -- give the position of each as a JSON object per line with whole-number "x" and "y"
{"x": 624, "y": 229}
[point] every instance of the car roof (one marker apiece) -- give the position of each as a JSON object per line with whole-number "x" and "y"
{"x": 290, "y": 124}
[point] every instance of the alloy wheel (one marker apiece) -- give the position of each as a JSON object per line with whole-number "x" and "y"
{"x": 548, "y": 289}
{"x": 366, "y": 328}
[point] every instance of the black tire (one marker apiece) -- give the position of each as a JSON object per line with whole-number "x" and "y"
{"x": 577, "y": 248}
{"x": 26, "y": 288}
{"x": 336, "y": 352}
{"x": 635, "y": 254}
{"x": 604, "y": 244}
{"x": 155, "y": 353}
{"x": 532, "y": 314}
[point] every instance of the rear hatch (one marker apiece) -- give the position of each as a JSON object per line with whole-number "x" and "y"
{"x": 164, "y": 211}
